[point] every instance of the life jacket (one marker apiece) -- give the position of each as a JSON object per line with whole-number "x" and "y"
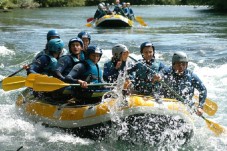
{"x": 72, "y": 61}
{"x": 93, "y": 73}
{"x": 144, "y": 76}
{"x": 182, "y": 85}
{"x": 48, "y": 70}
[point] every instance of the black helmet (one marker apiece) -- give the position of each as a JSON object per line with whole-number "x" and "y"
{"x": 84, "y": 34}
{"x": 147, "y": 44}
{"x": 52, "y": 33}
{"x": 75, "y": 40}
{"x": 94, "y": 49}
{"x": 179, "y": 56}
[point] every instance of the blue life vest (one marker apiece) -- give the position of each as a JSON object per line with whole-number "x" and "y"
{"x": 48, "y": 70}
{"x": 68, "y": 63}
{"x": 93, "y": 72}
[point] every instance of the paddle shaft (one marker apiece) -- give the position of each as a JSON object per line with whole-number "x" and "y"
{"x": 21, "y": 69}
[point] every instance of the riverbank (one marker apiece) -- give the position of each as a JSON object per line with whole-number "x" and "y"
{"x": 5, "y": 5}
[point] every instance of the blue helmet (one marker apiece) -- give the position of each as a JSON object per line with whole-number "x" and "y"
{"x": 75, "y": 40}
{"x": 84, "y": 34}
{"x": 55, "y": 45}
{"x": 94, "y": 49}
{"x": 52, "y": 33}
{"x": 146, "y": 44}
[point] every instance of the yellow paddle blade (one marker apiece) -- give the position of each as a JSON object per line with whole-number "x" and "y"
{"x": 209, "y": 107}
{"x": 140, "y": 20}
{"x": 44, "y": 83}
{"x": 216, "y": 128}
{"x": 88, "y": 24}
{"x": 12, "y": 83}
{"x": 31, "y": 78}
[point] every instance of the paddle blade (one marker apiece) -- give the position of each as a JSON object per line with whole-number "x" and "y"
{"x": 30, "y": 79}
{"x": 216, "y": 128}
{"x": 12, "y": 83}
{"x": 140, "y": 21}
{"x": 47, "y": 84}
{"x": 209, "y": 107}
{"x": 88, "y": 24}
{"x": 90, "y": 19}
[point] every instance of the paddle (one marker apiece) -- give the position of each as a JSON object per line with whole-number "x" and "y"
{"x": 21, "y": 69}
{"x": 140, "y": 20}
{"x": 12, "y": 83}
{"x": 31, "y": 78}
{"x": 90, "y": 19}
{"x": 17, "y": 82}
{"x": 50, "y": 84}
{"x": 89, "y": 24}
{"x": 216, "y": 128}
{"x": 209, "y": 107}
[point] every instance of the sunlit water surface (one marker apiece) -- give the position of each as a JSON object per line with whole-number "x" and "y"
{"x": 198, "y": 32}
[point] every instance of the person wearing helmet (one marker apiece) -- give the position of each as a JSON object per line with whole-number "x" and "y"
{"x": 85, "y": 72}
{"x": 183, "y": 81}
{"x": 86, "y": 38}
{"x": 108, "y": 11}
{"x": 145, "y": 70}
{"x": 67, "y": 62}
{"x": 46, "y": 63}
{"x": 100, "y": 12}
{"x": 130, "y": 14}
{"x": 125, "y": 9}
{"x": 51, "y": 34}
{"x": 118, "y": 8}
{"x": 117, "y": 63}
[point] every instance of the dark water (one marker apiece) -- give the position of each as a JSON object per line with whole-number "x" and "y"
{"x": 198, "y": 32}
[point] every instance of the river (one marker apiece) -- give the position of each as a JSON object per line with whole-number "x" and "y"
{"x": 194, "y": 30}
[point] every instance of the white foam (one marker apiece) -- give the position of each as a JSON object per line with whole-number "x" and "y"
{"x": 4, "y": 51}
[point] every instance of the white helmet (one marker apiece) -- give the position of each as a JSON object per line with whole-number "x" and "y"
{"x": 118, "y": 49}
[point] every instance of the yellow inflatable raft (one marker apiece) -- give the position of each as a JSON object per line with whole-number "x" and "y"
{"x": 114, "y": 21}
{"x": 150, "y": 116}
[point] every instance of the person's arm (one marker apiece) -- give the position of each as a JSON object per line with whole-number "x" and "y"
{"x": 76, "y": 73}
{"x": 38, "y": 65}
{"x": 63, "y": 62}
{"x": 198, "y": 84}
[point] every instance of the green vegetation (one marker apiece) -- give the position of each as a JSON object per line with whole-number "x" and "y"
{"x": 219, "y": 5}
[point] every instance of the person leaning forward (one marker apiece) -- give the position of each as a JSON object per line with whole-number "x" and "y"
{"x": 183, "y": 81}
{"x": 85, "y": 72}
{"x": 46, "y": 63}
